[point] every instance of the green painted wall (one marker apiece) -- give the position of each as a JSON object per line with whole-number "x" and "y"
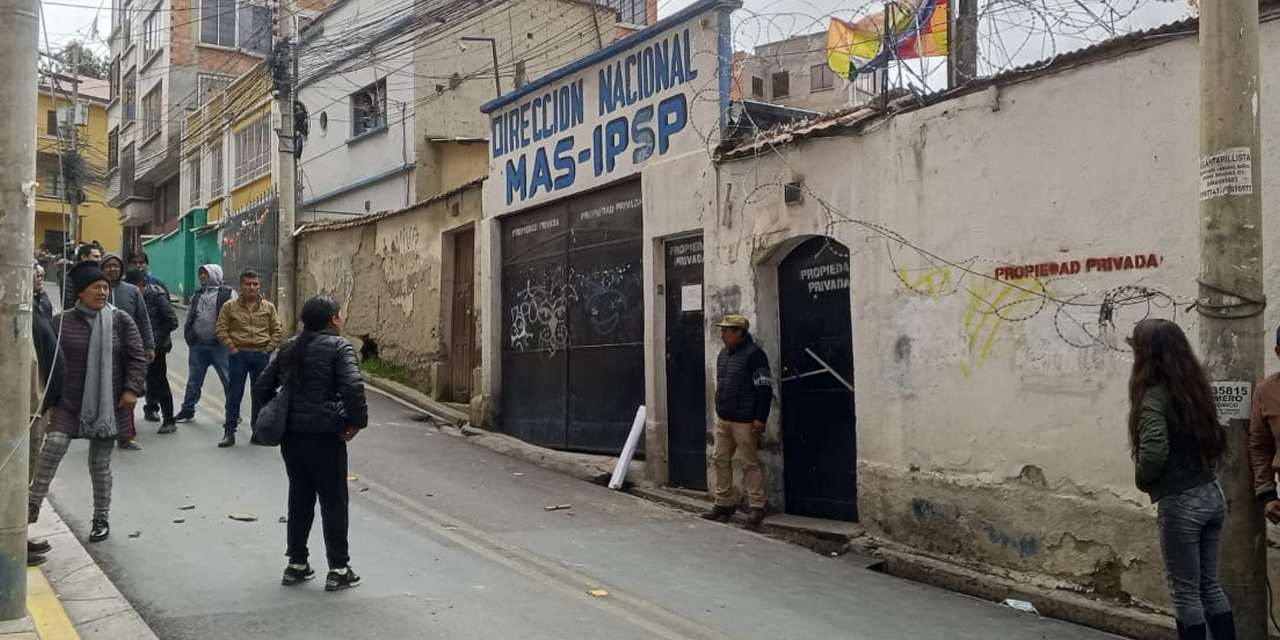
{"x": 176, "y": 257}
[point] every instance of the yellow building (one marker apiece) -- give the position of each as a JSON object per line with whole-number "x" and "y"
{"x": 57, "y": 115}
{"x": 229, "y": 149}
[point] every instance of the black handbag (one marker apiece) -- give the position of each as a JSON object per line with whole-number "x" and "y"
{"x": 272, "y": 418}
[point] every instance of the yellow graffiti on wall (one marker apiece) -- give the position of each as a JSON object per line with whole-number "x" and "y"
{"x": 991, "y": 304}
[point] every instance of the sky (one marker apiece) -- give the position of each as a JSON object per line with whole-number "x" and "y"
{"x": 1012, "y": 32}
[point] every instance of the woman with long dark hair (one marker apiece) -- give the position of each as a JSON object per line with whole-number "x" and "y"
{"x": 327, "y": 408}
{"x": 1176, "y": 443}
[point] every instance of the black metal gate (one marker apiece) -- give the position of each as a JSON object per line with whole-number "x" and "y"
{"x": 249, "y": 242}
{"x": 686, "y": 369}
{"x": 573, "y": 321}
{"x": 818, "y": 418}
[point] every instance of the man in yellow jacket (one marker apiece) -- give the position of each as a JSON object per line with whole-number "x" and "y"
{"x": 249, "y": 328}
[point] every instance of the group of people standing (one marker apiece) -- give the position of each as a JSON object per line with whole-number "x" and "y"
{"x": 108, "y": 347}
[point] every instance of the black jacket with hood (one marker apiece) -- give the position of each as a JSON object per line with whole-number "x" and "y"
{"x": 329, "y": 397}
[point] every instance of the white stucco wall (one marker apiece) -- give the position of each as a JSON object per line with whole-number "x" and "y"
{"x": 1000, "y": 439}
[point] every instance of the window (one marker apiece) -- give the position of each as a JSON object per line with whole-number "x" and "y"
{"x": 51, "y": 125}
{"x": 152, "y": 109}
{"x": 129, "y": 99}
{"x": 629, "y": 11}
{"x": 193, "y": 174}
{"x": 215, "y": 171}
{"x": 53, "y": 185}
{"x": 821, "y": 77}
{"x": 246, "y": 26}
{"x": 114, "y": 78}
{"x": 253, "y": 151}
{"x": 126, "y": 37}
{"x": 757, "y": 87}
{"x": 781, "y": 84}
{"x": 211, "y": 85}
{"x": 113, "y": 149}
{"x": 369, "y": 108}
{"x": 151, "y": 34}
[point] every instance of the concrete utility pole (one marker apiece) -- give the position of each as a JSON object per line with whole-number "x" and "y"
{"x": 287, "y": 256}
{"x": 1231, "y": 289}
{"x": 962, "y": 62}
{"x": 73, "y": 187}
{"x": 19, "y": 86}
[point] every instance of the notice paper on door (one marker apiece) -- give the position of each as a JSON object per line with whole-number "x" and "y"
{"x": 691, "y": 297}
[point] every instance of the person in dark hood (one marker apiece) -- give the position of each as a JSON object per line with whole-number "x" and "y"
{"x": 106, "y": 373}
{"x": 201, "y": 334}
{"x": 163, "y": 323}
{"x": 129, "y": 299}
{"x": 49, "y": 368}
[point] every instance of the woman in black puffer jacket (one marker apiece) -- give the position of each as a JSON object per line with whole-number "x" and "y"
{"x": 327, "y": 408}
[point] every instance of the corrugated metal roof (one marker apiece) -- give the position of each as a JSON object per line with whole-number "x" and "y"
{"x": 852, "y": 118}
{"x": 335, "y": 225}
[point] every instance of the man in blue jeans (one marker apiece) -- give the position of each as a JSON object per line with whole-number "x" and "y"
{"x": 201, "y": 333}
{"x": 250, "y": 329}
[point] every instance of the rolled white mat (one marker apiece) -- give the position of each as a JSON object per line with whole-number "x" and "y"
{"x": 628, "y": 450}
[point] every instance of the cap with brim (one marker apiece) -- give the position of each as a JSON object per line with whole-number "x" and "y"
{"x": 735, "y": 322}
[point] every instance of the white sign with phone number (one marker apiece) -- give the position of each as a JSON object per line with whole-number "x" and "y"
{"x": 1234, "y": 400}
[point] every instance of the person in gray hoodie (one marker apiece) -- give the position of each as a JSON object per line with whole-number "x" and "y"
{"x": 130, "y": 300}
{"x": 201, "y": 333}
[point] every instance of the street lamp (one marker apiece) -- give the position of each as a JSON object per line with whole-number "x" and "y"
{"x": 493, "y": 43}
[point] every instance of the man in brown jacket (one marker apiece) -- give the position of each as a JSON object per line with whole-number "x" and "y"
{"x": 249, "y": 327}
{"x": 1264, "y": 430}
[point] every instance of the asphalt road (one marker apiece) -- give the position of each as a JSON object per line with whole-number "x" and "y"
{"x": 453, "y": 541}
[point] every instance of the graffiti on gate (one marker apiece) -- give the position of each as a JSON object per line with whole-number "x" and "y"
{"x": 539, "y": 315}
{"x": 610, "y": 297}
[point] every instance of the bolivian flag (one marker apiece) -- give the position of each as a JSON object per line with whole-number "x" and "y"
{"x": 916, "y": 28}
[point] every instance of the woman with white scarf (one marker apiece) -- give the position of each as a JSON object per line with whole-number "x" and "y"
{"x": 106, "y": 373}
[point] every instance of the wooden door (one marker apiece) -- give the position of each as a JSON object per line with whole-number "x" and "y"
{"x": 462, "y": 352}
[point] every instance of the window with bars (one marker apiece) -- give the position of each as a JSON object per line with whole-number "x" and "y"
{"x": 757, "y": 87}
{"x": 237, "y": 25}
{"x": 781, "y": 84}
{"x": 193, "y": 188}
{"x": 253, "y": 151}
{"x": 129, "y": 99}
{"x": 113, "y": 78}
{"x": 215, "y": 171}
{"x": 152, "y": 111}
{"x": 369, "y": 108}
{"x": 151, "y": 34}
{"x": 629, "y": 11}
{"x": 53, "y": 187}
{"x": 113, "y": 149}
{"x": 210, "y": 85}
{"x": 821, "y": 77}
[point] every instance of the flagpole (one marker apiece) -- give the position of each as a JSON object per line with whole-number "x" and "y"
{"x": 887, "y": 35}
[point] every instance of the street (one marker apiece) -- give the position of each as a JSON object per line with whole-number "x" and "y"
{"x": 453, "y": 541}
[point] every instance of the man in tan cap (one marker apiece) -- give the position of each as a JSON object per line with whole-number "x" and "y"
{"x": 744, "y": 393}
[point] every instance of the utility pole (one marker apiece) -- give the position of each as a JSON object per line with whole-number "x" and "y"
{"x": 73, "y": 187}
{"x": 18, "y": 84}
{"x": 962, "y": 60}
{"x": 1231, "y": 296}
{"x": 286, "y": 90}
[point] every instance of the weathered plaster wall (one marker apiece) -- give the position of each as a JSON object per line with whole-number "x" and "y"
{"x": 387, "y": 272}
{"x": 991, "y": 411}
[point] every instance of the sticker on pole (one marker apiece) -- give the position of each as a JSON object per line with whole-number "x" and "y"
{"x": 1227, "y": 173}
{"x": 1233, "y": 398}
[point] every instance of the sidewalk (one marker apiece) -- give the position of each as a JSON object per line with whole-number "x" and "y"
{"x": 69, "y": 597}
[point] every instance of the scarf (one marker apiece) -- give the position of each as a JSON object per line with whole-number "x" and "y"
{"x": 98, "y": 405}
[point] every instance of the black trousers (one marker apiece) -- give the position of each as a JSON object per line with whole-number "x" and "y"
{"x": 159, "y": 395}
{"x": 317, "y": 468}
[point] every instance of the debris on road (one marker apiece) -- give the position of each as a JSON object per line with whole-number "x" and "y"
{"x": 186, "y": 507}
{"x": 599, "y": 593}
{"x": 352, "y": 478}
{"x": 179, "y": 520}
{"x": 244, "y": 517}
{"x": 363, "y": 489}
{"x": 1021, "y": 605}
{"x": 284, "y": 520}
{"x": 136, "y": 534}
{"x": 558, "y": 507}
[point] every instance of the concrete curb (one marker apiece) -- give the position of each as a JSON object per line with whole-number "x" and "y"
{"x": 92, "y": 602}
{"x": 21, "y": 629}
{"x": 437, "y": 409}
{"x": 830, "y": 537}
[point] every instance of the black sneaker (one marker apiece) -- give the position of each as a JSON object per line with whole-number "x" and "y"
{"x": 295, "y": 573}
{"x": 151, "y": 415}
{"x": 719, "y": 513}
{"x": 35, "y": 559}
{"x": 168, "y": 427}
{"x": 755, "y": 516}
{"x": 38, "y": 545}
{"x": 100, "y": 531}
{"x": 228, "y": 440}
{"x": 184, "y": 416}
{"x": 339, "y": 579}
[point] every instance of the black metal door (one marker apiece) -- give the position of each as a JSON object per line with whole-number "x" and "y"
{"x": 573, "y": 295}
{"x": 818, "y": 418}
{"x": 686, "y": 371}
{"x": 535, "y": 326}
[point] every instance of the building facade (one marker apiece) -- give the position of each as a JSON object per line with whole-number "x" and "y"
{"x": 794, "y": 72}
{"x": 56, "y": 171}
